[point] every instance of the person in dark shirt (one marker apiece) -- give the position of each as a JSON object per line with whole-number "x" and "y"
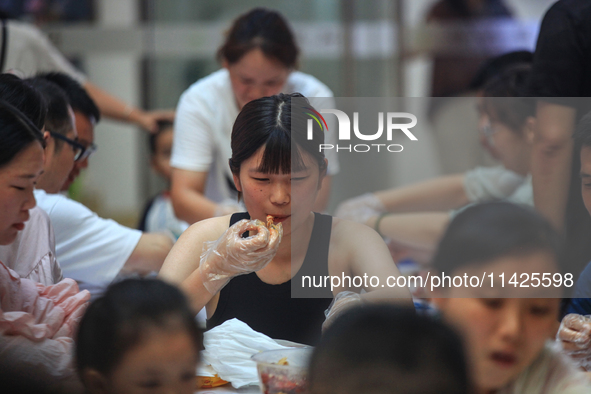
{"x": 561, "y": 80}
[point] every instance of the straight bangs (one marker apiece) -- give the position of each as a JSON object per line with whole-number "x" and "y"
{"x": 278, "y": 156}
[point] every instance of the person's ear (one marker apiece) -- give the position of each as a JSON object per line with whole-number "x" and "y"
{"x": 237, "y": 182}
{"x": 47, "y": 139}
{"x": 529, "y": 129}
{"x": 94, "y": 381}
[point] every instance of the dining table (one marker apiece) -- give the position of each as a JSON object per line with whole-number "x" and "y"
{"x": 228, "y": 389}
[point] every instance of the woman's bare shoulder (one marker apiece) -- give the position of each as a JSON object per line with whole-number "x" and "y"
{"x": 207, "y": 229}
{"x": 347, "y": 232}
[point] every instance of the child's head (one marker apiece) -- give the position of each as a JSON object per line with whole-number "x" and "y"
{"x": 383, "y": 349}
{"x": 262, "y": 157}
{"x": 161, "y": 148}
{"x": 508, "y": 118}
{"x": 503, "y": 335}
{"x": 140, "y": 335}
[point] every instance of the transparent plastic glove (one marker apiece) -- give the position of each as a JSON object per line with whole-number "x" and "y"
{"x": 342, "y": 301}
{"x": 360, "y": 209}
{"x": 233, "y": 255}
{"x": 227, "y": 207}
{"x": 574, "y": 336}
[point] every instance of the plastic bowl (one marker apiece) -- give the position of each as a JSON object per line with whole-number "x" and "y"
{"x": 285, "y": 379}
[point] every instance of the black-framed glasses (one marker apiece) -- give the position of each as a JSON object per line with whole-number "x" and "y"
{"x": 79, "y": 149}
{"x": 88, "y": 150}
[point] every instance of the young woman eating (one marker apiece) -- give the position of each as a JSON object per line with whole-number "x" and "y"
{"x": 278, "y": 172}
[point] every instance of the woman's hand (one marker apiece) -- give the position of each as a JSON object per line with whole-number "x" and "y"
{"x": 574, "y": 335}
{"x": 233, "y": 255}
{"x": 361, "y": 208}
{"x": 342, "y": 301}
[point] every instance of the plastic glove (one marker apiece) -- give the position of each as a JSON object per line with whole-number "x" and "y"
{"x": 360, "y": 209}
{"x": 342, "y": 301}
{"x": 574, "y": 336}
{"x": 233, "y": 255}
{"x": 227, "y": 207}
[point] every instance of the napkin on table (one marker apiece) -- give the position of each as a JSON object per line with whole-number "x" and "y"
{"x": 228, "y": 348}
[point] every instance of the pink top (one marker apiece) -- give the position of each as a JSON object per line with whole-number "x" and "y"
{"x": 37, "y": 323}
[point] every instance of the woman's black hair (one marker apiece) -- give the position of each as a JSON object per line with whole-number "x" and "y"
{"x": 264, "y": 29}
{"x": 485, "y": 232}
{"x": 23, "y": 96}
{"x": 497, "y": 65}
{"x": 115, "y": 322}
{"x": 273, "y": 122}
{"x": 505, "y": 98}
{"x": 388, "y": 349}
{"x": 17, "y": 132}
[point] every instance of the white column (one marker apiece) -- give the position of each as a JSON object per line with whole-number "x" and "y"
{"x": 113, "y": 182}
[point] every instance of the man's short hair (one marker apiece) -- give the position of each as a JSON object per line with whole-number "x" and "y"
{"x": 58, "y": 119}
{"x": 77, "y": 95}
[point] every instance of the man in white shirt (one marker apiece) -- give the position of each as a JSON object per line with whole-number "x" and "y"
{"x": 89, "y": 249}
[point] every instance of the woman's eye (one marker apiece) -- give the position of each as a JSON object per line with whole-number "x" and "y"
{"x": 150, "y": 384}
{"x": 261, "y": 179}
{"x": 19, "y": 188}
{"x": 493, "y": 303}
{"x": 301, "y": 178}
{"x": 539, "y": 310}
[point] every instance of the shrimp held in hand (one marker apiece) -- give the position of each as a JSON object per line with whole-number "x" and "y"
{"x": 233, "y": 255}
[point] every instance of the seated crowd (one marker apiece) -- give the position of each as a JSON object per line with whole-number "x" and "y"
{"x": 82, "y": 311}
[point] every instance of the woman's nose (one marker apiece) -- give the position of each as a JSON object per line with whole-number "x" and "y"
{"x": 511, "y": 324}
{"x": 280, "y": 194}
{"x": 30, "y": 201}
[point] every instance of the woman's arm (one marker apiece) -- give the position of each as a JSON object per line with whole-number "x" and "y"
{"x": 358, "y": 253}
{"x": 112, "y": 107}
{"x": 187, "y": 197}
{"x": 361, "y": 252}
{"x": 181, "y": 266}
{"x": 438, "y": 194}
{"x": 551, "y": 160}
{"x": 209, "y": 254}
{"x": 420, "y": 231}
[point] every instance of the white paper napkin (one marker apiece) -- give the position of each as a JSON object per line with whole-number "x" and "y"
{"x": 228, "y": 348}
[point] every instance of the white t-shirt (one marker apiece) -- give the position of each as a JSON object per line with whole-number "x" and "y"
{"x": 483, "y": 184}
{"x": 32, "y": 254}
{"x": 30, "y": 52}
{"x": 161, "y": 218}
{"x": 89, "y": 248}
{"x": 203, "y": 127}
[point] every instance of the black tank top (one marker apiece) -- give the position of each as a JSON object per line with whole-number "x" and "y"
{"x": 270, "y": 309}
